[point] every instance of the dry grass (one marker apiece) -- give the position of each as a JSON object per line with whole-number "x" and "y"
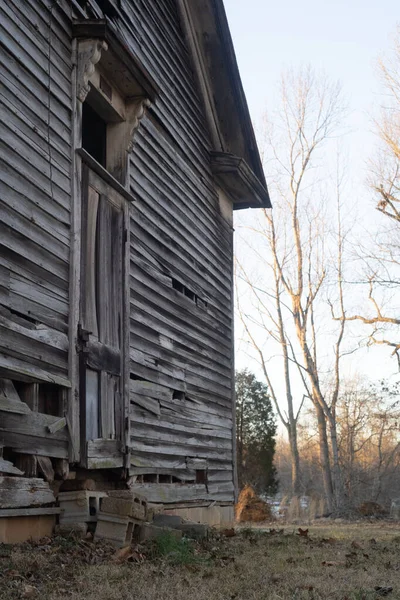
{"x": 255, "y": 564}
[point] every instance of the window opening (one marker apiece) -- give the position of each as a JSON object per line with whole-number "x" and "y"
{"x": 201, "y": 476}
{"x": 182, "y": 289}
{"x": 178, "y": 395}
{"x": 94, "y": 134}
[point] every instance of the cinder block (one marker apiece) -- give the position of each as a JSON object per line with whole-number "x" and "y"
{"x": 147, "y": 531}
{"x": 167, "y": 520}
{"x": 115, "y": 529}
{"x": 125, "y": 503}
{"x": 79, "y": 507}
{"x": 124, "y": 508}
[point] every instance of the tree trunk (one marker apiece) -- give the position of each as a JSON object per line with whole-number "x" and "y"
{"x": 324, "y": 457}
{"x": 295, "y": 458}
{"x": 338, "y": 492}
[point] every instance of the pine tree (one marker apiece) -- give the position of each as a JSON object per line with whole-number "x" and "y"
{"x": 255, "y": 434}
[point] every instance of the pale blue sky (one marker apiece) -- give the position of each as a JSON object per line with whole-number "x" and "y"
{"x": 343, "y": 38}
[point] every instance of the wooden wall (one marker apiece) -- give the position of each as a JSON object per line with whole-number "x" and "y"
{"x": 35, "y": 188}
{"x": 180, "y": 279}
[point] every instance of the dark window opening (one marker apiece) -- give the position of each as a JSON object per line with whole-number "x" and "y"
{"x": 178, "y": 395}
{"x": 182, "y": 289}
{"x": 178, "y": 286}
{"x": 45, "y": 398}
{"x": 94, "y": 134}
{"x": 150, "y": 478}
{"x": 164, "y": 479}
{"x": 201, "y": 476}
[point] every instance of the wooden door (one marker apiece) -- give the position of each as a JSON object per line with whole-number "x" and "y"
{"x": 101, "y": 333}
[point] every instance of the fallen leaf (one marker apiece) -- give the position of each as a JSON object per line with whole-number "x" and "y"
{"x": 122, "y": 555}
{"x": 228, "y": 532}
{"x": 333, "y": 563}
{"x": 330, "y": 541}
{"x": 28, "y": 592}
{"x": 303, "y": 532}
{"x": 308, "y": 588}
{"x": 356, "y": 545}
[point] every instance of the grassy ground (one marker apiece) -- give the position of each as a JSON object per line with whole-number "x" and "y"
{"x": 342, "y": 562}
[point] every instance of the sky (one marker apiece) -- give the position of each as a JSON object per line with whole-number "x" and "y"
{"x": 345, "y": 40}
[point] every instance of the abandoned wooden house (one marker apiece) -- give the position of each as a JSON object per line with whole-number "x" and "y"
{"x": 126, "y": 143}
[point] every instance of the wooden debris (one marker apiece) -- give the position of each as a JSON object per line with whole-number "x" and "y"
{"x": 7, "y": 467}
{"x": 24, "y": 492}
{"x": 46, "y": 468}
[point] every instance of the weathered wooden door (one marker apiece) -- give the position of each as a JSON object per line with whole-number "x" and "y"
{"x": 101, "y": 332}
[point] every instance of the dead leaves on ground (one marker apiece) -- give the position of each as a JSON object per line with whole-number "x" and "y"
{"x": 129, "y": 554}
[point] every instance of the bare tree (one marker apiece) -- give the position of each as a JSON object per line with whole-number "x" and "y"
{"x": 296, "y": 235}
{"x": 381, "y": 260}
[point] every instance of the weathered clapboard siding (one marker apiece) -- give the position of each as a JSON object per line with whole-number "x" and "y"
{"x": 177, "y": 233}
{"x": 35, "y": 191}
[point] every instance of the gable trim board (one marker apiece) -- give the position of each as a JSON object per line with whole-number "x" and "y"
{"x": 213, "y": 58}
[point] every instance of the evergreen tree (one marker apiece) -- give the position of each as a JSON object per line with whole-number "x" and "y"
{"x": 255, "y": 434}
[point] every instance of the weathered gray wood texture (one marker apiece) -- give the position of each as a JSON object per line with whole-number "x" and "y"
{"x": 180, "y": 350}
{"x": 180, "y": 245}
{"x": 35, "y": 188}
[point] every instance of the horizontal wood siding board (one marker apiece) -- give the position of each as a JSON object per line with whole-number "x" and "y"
{"x": 35, "y": 192}
{"x": 172, "y": 313}
{"x": 149, "y": 340}
{"x": 146, "y": 266}
{"x": 161, "y": 424}
{"x": 178, "y": 187}
{"x": 54, "y": 148}
{"x": 153, "y": 447}
{"x": 30, "y": 54}
{"x": 35, "y": 20}
{"x": 178, "y": 305}
{"x": 28, "y": 96}
{"x": 204, "y": 347}
{"x": 178, "y": 369}
{"x": 164, "y": 461}
{"x": 31, "y": 271}
{"x": 180, "y": 266}
{"x": 41, "y": 355}
{"x": 183, "y": 265}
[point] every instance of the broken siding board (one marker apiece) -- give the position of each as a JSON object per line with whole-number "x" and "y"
{"x": 178, "y": 306}
{"x": 144, "y": 272}
{"x": 154, "y": 446}
{"x": 161, "y": 424}
{"x": 149, "y": 404}
{"x": 168, "y": 364}
{"x": 201, "y": 439}
{"x": 187, "y": 263}
{"x": 149, "y": 341}
{"x": 48, "y": 336}
{"x": 23, "y": 370}
{"x": 41, "y": 355}
{"x": 152, "y": 390}
{"x": 176, "y": 332}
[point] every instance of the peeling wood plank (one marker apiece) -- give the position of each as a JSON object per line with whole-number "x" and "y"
{"x": 151, "y": 405}
{"x": 152, "y": 390}
{"x": 57, "y": 425}
{"x": 7, "y": 467}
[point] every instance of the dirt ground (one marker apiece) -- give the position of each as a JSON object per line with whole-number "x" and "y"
{"x": 332, "y": 560}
